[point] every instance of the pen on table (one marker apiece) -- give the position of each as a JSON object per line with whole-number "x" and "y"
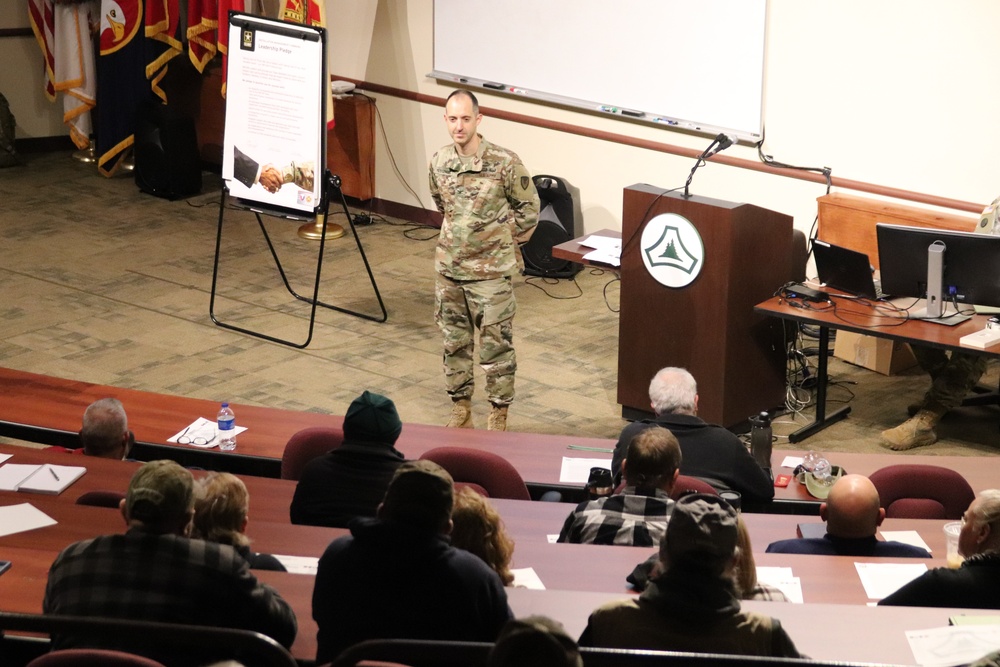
{"x": 590, "y": 449}
{"x": 54, "y": 474}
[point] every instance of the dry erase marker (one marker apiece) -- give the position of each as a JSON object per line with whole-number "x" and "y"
{"x": 607, "y": 109}
{"x": 494, "y": 86}
{"x": 633, "y": 114}
{"x": 519, "y": 91}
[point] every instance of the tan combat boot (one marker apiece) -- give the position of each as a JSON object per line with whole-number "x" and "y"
{"x": 461, "y": 414}
{"x": 914, "y": 432}
{"x": 498, "y": 418}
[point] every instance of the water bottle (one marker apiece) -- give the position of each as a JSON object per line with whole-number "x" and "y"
{"x": 760, "y": 439}
{"x": 227, "y": 428}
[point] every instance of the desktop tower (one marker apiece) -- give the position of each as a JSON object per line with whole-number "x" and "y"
{"x": 559, "y": 220}
{"x": 167, "y": 163}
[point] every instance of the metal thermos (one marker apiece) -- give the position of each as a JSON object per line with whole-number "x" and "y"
{"x": 760, "y": 439}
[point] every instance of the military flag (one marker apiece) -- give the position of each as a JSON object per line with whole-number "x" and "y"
{"x": 41, "y": 13}
{"x": 163, "y": 40}
{"x": 203, "y": 19}
{"x": 121, "y": 80}
{"x": 309, "y": 12}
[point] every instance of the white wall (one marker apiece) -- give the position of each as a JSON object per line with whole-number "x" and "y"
{"x": 22, "y": 78}
{"x": 899, "y": 93}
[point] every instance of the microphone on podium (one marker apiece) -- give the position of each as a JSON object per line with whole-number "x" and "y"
{"x": 719, "y": 144}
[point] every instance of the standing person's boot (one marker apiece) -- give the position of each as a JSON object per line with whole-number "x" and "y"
{"x": 917, "y": 431}
{"x": 498, "y": 418}
{"x": 461, "y": 413}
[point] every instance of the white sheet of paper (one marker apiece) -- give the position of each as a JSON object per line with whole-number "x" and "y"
{"x": 577, "y": 471}
{"x": 782, "y": 579}
{"x": 881, "y": 579}
{"x": 19, "y": 518}
{"x": 953, "y": 645}
{"x": 612, "y": 256}
{"x": 553, "y": 538}
{"x": 299, "y": 564}
{"x": 4, "y": 457}
{"x": 526, "y": 577}
{"x": 12, "y": 474}
{"x": 598, "y": 241}
{"x": 203, "y": 428}
{"x": 910, "y": 537}
{"x": 791, "y": 462}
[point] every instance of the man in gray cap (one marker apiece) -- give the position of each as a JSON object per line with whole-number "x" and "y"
{"x": 350, "y": 480}
{"x": 155, "y": 572}
{"x": 693, "y": 605}
{"x": 397, "y": 576}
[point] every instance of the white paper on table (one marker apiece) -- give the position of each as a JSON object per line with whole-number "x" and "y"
{"x": 526, "y": 577}
{"x": 552, "y": 538}
{"x": 881, "y": 579}
{"x": 577, "y": 471}
{"x": 792, "y": 462}
{"x": 299, "y": 564}
{"x": 953, "y": 645}
{"x": 910, "y": 537}
{"x": 782, "y": 579}
{"x": 203, "y": 428}
{"x": 4, "y": 457}
{"x": 602, "y": 242}
{"x": 19, "y": 518}
{"x": 12, "y": 474}
{"x": 612, "y": 256}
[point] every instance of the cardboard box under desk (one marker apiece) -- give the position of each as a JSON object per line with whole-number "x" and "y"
{"x": 882, "y": 355}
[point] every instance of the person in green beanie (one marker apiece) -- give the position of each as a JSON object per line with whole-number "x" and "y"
{"x": 351, "y": 480}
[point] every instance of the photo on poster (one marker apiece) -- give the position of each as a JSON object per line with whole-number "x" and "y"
{"x": 273, "y": 155}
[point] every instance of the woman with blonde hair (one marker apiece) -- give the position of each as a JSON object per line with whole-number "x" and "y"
{"x": 479, "y": 529}
{"x": 745, "y": 572}
{"x": 221, "y": 513}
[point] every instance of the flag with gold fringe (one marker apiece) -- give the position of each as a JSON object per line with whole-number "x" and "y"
{"x": 163, "y": 40}
{"x": 309, "y": 12}
{"x": 121, "y": 81}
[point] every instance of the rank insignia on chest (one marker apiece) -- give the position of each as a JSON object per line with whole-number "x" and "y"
{"x": 524, "y": 182}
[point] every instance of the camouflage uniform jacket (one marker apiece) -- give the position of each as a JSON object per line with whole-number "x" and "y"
{"x": 490, "y": 205}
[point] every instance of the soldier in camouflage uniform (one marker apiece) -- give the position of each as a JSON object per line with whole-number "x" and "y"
{"x": 951, "y": 379}
{"x": 490, "y": 206}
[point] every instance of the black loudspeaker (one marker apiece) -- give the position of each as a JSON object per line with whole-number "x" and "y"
{"x": 167, "y": 163}
{"x": 559, "y": 220}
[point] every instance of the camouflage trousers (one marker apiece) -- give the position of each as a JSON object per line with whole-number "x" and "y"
{"x": 952, "y": 377}
{"x": 461, "y": 308}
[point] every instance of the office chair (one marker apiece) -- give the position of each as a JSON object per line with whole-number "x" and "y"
{"x": 911, "y": 491}
{"x": 306, "y": 445}
{"x": 92, "y": 657}
{"x": 101, "y": 498}
{"x": 493, "y": 473}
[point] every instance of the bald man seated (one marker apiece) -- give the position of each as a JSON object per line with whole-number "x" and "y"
{"x": 852, "y": 514}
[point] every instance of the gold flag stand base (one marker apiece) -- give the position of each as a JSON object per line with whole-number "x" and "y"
{"x": 314, "y": 230}
{"x": 85, "y": 155}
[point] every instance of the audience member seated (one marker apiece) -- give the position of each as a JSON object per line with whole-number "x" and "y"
{"x": 397, "y": 576}
{"x": 478, "y": 528}
{"x": 638, "y": 515}
{"x": 747, "y": 585}
{"x": 155, "y": 572}
{"x": 534, "y": 641}
{"x": 221, "y": 513}
{"x": 350, "y": 481}
{"x": 105, "y": 430}
{"x": 852, "y": 514}
{"x": 693, "y": 605}
{"x": 976, "y": 584}
{"x": 710, "y": 452}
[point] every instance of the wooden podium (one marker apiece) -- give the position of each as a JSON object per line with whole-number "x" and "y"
{"x": 709, "y": 326}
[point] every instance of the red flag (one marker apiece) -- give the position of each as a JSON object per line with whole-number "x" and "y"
{"x": 202, "y": 22}
{"x": 163, "y": 42}
{"x": 223, "y": 34}
{"x": 309, "y": 12}
{"x": 42, "y": 17}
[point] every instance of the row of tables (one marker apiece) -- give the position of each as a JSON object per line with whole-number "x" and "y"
{"x": 34, "y": 406}
{"x": 577, "y": 577}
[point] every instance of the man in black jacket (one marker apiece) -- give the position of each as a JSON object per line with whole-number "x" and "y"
{"x": 708, "y": 451}
{"x": 350, "y": 480}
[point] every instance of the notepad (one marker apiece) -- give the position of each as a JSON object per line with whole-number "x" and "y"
{"x": 45, "y": 478}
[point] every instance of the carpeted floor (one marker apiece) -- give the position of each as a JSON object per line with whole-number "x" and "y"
{"x": 102, "y": 283}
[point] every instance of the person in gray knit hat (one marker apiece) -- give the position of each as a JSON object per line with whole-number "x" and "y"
{"x": 350, "y": 480}
{"x": 693, "y": 604}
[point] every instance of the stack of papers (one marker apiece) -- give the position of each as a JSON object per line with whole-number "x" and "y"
{"x": 46, "y": 478}
{"x": 607, "y": 250}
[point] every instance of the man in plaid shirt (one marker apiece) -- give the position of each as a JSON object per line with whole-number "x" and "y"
{"x": 638, "y": 515}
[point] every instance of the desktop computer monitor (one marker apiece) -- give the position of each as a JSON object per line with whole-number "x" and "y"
{"x": 969, "y": 264}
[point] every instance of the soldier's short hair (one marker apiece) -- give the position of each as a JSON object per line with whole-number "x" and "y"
{"x": 466, "y": 93}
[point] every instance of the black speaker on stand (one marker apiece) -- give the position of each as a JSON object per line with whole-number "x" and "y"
{"x": 167, "y": 163}
{"x": 559, "y": 220}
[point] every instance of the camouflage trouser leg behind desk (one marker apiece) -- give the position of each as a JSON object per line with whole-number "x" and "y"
{"x": 953, "y": 375}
